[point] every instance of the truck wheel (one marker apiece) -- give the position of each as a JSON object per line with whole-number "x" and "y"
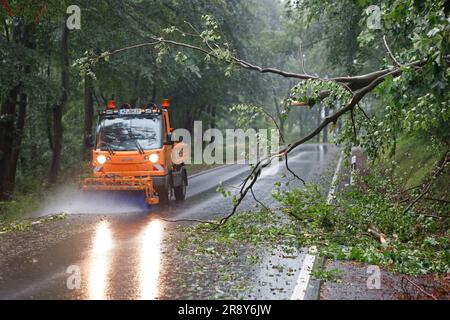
{"x": 180, "y": 191}
{"x": 163, "y": 194}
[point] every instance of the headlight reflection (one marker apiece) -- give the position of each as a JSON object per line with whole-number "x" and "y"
{"x": 99, "y": 261}
{"x": 150, "y": 255}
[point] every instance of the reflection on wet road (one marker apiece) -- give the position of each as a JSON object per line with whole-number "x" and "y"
{"x": 120, "y": 254}
{"x": 99, "y": 261}
{"x": 144, "y": 261}
{"x": 149, "y": 265}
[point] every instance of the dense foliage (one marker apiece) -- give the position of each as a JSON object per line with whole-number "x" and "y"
{"x": 369, "y": 224}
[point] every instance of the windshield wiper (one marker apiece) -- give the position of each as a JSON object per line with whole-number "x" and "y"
{"x": 141, "y": 150}
{"x": 132, "y": 136}
{"x": 108, "y": 146}
{"x": 110, "y": 150}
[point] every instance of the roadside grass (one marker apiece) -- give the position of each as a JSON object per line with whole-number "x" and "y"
{"x": 415, "y": 160}
{"x": 19, "y": 206}
{"x": 13, "y": 213}
{"x": 368, "y": 226}
{"x": 25, "y": 224}
{"x": 332, "y": 275}
{"x": 368, "y": 222}
{"x": 32, "y": 191}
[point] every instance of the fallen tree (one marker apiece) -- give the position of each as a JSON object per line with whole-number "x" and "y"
{"x": 345, "y": 91}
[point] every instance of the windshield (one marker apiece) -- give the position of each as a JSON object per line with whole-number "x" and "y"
{"x": 129, "y": 133}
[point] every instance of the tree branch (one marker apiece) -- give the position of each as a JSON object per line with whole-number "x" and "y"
{"x": 390, "y": 52}
{"x": 441, "y": 166}
{"x": 353, "y": 125}
{"x": 419, "y": 288}
{"x": 353, "y": 83}
{"x": 292, "y": 172}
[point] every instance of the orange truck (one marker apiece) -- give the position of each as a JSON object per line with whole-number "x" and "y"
{"x": 133, "y": 150}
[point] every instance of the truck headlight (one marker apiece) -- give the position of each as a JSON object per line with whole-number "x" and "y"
{"x": 101, "y": 159}
{"x": 154, "y": 158}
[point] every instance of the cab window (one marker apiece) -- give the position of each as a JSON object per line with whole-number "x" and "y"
{"x": 130, "y": 133}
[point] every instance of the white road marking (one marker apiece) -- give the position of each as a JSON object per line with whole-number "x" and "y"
{"x": 352, "y": 171}
{"x": 308, "y": 262}
{"x": 335, "y": 177}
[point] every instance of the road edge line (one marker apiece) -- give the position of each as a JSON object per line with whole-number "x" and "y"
{"x": 304, "y": 278}
{"x": 207, "y": 171}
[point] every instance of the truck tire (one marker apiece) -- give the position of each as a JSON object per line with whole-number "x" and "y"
{"x": 163, "y": 194}
{"x": 180, "y": 191}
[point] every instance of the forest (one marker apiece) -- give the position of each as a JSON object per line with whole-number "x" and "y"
{"x": 367, "y": 75}
{"x": 48, "y": 108}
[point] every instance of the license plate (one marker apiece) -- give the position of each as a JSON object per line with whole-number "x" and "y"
{"x": 129, "y": 111}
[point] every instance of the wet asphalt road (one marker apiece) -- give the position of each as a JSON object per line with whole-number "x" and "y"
{"x": 120, "y": 255}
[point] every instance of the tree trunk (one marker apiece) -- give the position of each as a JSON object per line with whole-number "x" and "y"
{"x": 280, "y": 116}
{"x": 213, "y": 116}
{"x": 209, "y": 110}
{"x": 154, "y": 93}
{"x": 319, "y": 119}
{"x": 12, "y": 166}
{"x": 282, "y": 126}
{"x": 58, "y": 110}
{"x": 136, "y": 85}
{"x": 7, "y": 138}
{"x": 88, "y": 116}
{"x": 11, "y": 123}
{"x": 301, "y": 122}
